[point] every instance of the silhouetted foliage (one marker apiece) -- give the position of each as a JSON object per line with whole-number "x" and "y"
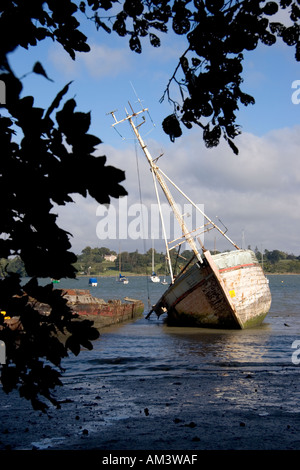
{"x": 46, "y": 155}
{"x": 209, "y": 73}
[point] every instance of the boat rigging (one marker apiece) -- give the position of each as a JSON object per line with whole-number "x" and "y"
{"x": 225, "y": 290}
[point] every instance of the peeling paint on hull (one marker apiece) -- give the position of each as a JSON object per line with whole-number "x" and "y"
{"x": 100, "y": 312}
{"x": 228, "y": 290}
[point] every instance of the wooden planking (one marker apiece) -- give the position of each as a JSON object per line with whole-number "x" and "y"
{"x": 250, "y": 292}
{"x": 229, "y": 290}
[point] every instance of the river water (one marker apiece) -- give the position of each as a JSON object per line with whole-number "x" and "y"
{"x": 149, "y": 386}
{"x": 150, "y": 347}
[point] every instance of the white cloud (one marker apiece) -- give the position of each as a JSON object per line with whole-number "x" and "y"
{"x": 102, "y": 61}
{"x": 63, "y": 62}
{"x": 255, "y": 194}
{"x": 257, "y": 191}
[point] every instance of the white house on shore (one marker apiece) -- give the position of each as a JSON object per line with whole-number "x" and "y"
{"x": 111, "y": 258}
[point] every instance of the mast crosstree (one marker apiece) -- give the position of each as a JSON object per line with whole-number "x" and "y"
{"x": 160, "y": 177}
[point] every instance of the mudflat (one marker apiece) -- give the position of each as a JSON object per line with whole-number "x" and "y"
{"x": 212, "y": 410}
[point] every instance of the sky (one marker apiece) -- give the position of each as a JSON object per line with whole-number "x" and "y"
{"x": 255, "y": 195}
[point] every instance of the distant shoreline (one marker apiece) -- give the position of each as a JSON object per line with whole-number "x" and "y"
{"x": 162, "y": 275}
{"x": 282, "y": 274}
{"x": 116, "y": 275}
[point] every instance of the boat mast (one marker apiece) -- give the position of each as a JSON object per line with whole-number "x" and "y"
{"x": 152, "y": 258}
{"x": 201, "y": 212}
{"x": 161, "y": 181}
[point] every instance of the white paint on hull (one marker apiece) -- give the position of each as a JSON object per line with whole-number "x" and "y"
{"x": 229, "y": 291}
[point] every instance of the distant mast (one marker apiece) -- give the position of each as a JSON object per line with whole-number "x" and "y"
{"x": 153, "y": 277}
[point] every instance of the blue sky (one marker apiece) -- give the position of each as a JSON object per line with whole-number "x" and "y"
{"x": 256, "y": 194}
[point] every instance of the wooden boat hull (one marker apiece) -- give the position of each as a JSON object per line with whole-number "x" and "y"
{"x": 228, "y": 290}
{"x": 100, "y": 312}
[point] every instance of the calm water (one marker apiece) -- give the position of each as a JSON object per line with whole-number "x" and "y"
{"x": 147, "y": 347}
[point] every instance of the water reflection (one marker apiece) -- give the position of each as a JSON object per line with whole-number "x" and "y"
{"x": 221, "y": 347}
{"x": 147, "y": 347}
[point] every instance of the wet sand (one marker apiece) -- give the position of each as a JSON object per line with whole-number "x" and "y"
{"x": 215, "y": 410}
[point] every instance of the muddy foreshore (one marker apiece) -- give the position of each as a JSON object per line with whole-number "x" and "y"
{"x": 223, "y": 410}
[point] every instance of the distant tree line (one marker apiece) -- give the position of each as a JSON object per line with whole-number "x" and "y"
{"x": 93, "y": 261}
{"x": 277, "y": 261}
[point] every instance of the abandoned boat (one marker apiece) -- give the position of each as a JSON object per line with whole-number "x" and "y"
{"x": 228, "y": 290}
{"x": 101, "y": 312}
{"x": 225, "y": 290}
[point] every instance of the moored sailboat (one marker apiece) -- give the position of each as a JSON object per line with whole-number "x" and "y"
{"x": 225, "y": 290}
{"x": 154, "y": 277}
{"x": 121, "y": 277}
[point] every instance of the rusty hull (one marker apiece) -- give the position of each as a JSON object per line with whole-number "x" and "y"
{"x": 100, "y": 312}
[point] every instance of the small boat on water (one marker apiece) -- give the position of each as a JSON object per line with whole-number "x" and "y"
{"x": 154, "y": 277}
{"x": 225, "y": 290}
{"x": 93, "y": 281}
{"x": 123, "y": 279}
